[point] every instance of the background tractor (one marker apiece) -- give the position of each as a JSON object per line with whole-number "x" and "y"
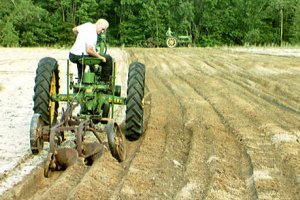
{"x": 173, "y": 40}
{"x": 96, "y": 99}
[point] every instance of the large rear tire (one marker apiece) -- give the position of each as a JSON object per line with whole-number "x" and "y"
{"x": 134, "y": 127}
{"x": 46, "y": 85}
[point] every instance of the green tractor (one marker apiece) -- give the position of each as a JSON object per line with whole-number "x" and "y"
{"x": 96, "y": 100}
{"x": 173, "y": 41}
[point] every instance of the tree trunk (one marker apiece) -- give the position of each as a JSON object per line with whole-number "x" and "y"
{"x": 281, "y": 27}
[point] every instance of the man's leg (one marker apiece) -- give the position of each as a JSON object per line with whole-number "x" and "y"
{"x": 80, "y": 68}
{"x": 106, "y": 68}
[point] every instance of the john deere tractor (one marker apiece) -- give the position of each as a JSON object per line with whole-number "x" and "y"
{"x": 96, "y": 100}
{"x": 173, "y": 41}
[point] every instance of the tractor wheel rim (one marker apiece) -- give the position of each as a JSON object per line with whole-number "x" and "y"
{"x": 52, "y": 92}
{"x": 119, "y": 142}
{"x": 171, "y": 42}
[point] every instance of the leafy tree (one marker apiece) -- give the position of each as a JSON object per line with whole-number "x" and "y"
{"x": 6, "y": 6}
{"x": 87, "y": 11}
{"x": 111, "y": 10}
{"x": 220, "y": 23}
{"x": 18, "y": 18}
{"x": 184, "y": 16}
{"x": 254, "y": 12}
{"x": 144, "y": 22}
{"x": 131, "y": 31}
{"x": 152, "y": 24}
{"x": 283, "y": 11}
{"x": 296, "y": 25}
{"x": 9, "y": 36}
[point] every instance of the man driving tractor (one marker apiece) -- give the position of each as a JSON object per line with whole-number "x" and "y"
{"x": 85, "y": 45}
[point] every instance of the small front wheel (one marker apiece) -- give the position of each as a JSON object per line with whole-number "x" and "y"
{"x": 116, "y": 141}
{"x": 36, "y": 134}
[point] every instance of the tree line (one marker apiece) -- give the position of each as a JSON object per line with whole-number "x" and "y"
{"x": 144, "y": 23}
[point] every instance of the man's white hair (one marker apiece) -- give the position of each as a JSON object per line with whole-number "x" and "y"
{"x": 103, "y": 22}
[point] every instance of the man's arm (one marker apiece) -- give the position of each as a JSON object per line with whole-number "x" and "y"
{"x": 90, "y": 50}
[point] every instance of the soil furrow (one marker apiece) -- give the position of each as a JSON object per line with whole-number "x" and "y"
{"x": 262, "y": 188}
{"x": 168, "y": 161}
{"x": 244, "y": 164}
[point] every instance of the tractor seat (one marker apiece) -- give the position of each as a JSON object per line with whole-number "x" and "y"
{"x": 89, "y": 61}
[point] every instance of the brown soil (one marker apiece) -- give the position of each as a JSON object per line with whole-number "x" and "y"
{"x": 219, "y": 124}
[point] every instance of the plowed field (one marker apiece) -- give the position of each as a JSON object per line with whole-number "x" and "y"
{"x": 219, "y": 124}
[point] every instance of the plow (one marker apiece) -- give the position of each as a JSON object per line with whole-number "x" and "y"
{"x": 70, "y": 136}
